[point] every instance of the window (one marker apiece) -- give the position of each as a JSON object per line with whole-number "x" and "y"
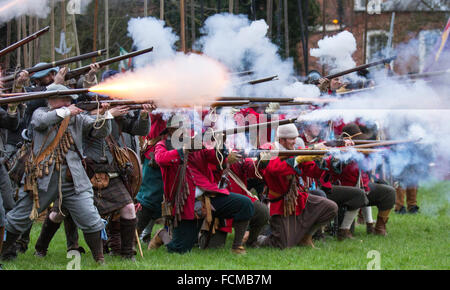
{"x": 376, "y": 45}
{"x": 428, "y": 40}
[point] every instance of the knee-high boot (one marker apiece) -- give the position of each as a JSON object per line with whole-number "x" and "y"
{"x": 382, "y": 219}
{"x": 114, "y": 242}
{"x": 9, "y": 251}
{"x": 48, "y": 231}
{"x": 94, "y": 241}
{"x": 127, "y": 237}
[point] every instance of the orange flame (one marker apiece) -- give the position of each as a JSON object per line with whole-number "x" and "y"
{"x": 9, "y": 5}
{"x": 186, "y": 80}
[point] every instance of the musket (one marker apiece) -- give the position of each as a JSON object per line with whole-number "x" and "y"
{"x": 41, "y": 95}
{"x": 136, "y": 104}
{"x": 24, "y": 41}
{"x": 243, "y": 73}
{"x": 247, "y": 128}
{"x": 307, "y": 152}
{"x": 384, "y": 144}
{"x": 83, "y": 70}
{"x": 258, "y": 81}
{"x": 89, "y": 106}
{"x": 256, "y": 99}
{"x": 358, "y": 68}
{"x": 57, "y": 63}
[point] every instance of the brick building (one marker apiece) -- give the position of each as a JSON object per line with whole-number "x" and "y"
{"x": 417, "y": 29}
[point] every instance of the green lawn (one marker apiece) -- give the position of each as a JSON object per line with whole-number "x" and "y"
{"x": 419, "y": 241}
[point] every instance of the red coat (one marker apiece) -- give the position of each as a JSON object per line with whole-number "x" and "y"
{"x": 276, "y": 177}
{"x": 198, "y": 174}
{"x": 349, "y": 176}
{"x": 157, "y": 126}
{"x": 346, "y": 175}
{"x": 244, "y": 170}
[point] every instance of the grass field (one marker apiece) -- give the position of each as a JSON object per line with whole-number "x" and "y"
{"x": 419, "y": 242}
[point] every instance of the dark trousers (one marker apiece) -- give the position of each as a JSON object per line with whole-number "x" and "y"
{"x": 382, "y": 196}
{"x": 235, "y": 206}
{"x": 350, "y": 197}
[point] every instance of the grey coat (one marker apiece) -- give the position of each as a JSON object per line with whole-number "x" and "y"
{"x": 96, "y": 148}
{"x": 80, "y": 126}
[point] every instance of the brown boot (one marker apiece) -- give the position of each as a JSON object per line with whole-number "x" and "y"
{"x": 114, "y": 242}
{"x": 307, "y": 241}
{"x": 48, "y": 231}
{"x": 344, "y": 234}
{"x": 127, "y": 236}
{"x": 400, "y": 198}
{"x": 370, "y": 228}
{"x": 94, "y": 241}
{"x": 156, "y": 241}
{"x": 411, "y": 197}
{"x": 239, "y": 250}
{"x": 382, "y": 219}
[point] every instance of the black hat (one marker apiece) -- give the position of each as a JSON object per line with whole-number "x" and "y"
{"x": 353, "y": 131}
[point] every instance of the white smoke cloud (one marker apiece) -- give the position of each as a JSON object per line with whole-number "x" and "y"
{"x": 404, "y": 111}
{"x": 336, "y": 51}
{"x": 243, "y": 45}
{"x": 10, "y": 9}
{"x": 152, "y": 32}
{"x": 301, "y": 90}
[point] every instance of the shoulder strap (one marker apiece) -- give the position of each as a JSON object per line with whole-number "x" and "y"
{"x": 54, "y": 143}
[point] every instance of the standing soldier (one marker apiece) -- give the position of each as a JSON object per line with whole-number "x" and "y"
{"x": 56, "y": 169}
{"x": 151, "y": 193}
{"x": 188, "y": 178}
{"x": 8, "y": 120}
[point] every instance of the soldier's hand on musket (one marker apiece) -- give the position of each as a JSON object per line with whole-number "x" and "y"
{"x": 102, "y": 110}
{"x": 119, "y": 111}
{"x": 61, "y": 76}
{"x": 319, "y": 146}
{"x": 23, "y": 78}
{"x": 324, "y": 84}
{"x": 90, "y": 76}
{"x": 148, "y": 108}
{"x": 349, "y": 142}
{"x": 74, "y": 110}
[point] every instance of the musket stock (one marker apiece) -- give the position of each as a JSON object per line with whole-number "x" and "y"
{"x": 358, "y": 68}
{"x": 24, "y": 41}
{"x": 57, "y": 63}
{"x": 83, "y": 70}
{"x": 41, "y": 95}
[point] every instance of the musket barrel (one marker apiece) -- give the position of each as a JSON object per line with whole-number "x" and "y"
{"x": 41, "y": 95}
{"x": 85, "y": 69}
{"x": 243, "y": 129}
{"x": 384, "y": 144}
{"x": 256, "y": 99}
{"x": 58, "y": 63}
{"x": 24, "y": 41}
{"x": 258, "y": 81}
{"x": 307, "y": 152}
{"x": 358, "y": 68}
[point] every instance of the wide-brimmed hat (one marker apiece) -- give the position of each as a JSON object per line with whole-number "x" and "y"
{"x": 175, "y": 122}
{"x": 57, "y": 87}
{"x": 43, "y": 73}
{"x": 353, "y": 131}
